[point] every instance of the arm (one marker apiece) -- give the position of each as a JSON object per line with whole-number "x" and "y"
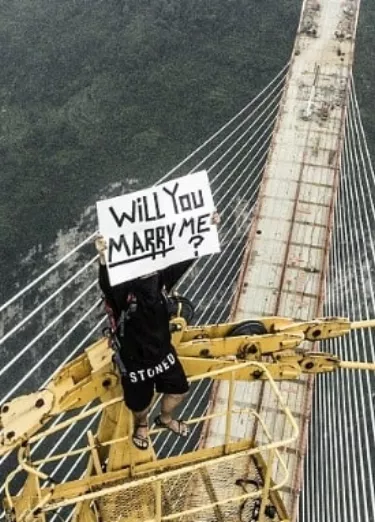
{"x": 104, "y": 280}
{"x": 100, "y": 245}
{"x": 115, "y": 296}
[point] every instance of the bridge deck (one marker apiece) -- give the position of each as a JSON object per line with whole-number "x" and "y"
{"x": 284, "y": 269}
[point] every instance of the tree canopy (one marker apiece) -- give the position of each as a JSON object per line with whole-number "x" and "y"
{"x": 93, "y": 92}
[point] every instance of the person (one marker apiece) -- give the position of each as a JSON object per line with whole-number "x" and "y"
{"x": 146, "y": 357}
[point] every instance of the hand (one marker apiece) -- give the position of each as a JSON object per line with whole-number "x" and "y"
{"x": 101, "y": 247}
{"x": 100, "y": 244}
{"x": 215, "y": 218}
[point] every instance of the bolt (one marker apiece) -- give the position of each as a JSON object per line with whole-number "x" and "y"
{"x": 205, "y": 352}
{"x": 106, "y": 383}
{"x": 257, "y": 374}
{"x": 309, "y": 365}
{"x": 10, "y": 435}
{"x": 270, "y": 512}
{"x": 39, "y": 403}
{"x": 5, "y": 408}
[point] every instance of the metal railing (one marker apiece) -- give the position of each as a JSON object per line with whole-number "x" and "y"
{"x": 159, "y": 485}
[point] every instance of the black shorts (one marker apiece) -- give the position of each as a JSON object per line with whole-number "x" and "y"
{"x": 140, "y": 382}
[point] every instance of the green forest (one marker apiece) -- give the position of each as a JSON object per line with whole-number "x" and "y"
{"x": 96, "y": 91}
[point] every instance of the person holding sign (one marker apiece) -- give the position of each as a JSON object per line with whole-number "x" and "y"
{"x": 146, "y": 358}
{"x": 156, "y": 227}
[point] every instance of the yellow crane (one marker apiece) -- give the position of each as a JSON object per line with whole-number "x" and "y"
{"x": 125, "y": 484}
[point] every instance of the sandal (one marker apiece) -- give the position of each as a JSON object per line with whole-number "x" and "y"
{"x": 181, "y": 431}
{"x": 140, "y": 442}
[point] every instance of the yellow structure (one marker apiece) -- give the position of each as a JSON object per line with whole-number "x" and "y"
{"x": 125, "y": 484}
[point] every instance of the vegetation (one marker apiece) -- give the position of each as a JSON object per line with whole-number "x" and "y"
{"x": 97, "y": 91}
{"x": 364, "y": 72}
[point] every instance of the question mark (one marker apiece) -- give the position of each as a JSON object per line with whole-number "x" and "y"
{"x": 196, "y": 241}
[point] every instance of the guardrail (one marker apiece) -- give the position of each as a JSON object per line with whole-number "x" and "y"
{"x": 157, "y": 491}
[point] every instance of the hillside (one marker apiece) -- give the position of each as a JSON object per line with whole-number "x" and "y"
{"x": 94, "y": 93}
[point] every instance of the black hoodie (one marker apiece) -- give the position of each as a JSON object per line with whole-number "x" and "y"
{"x": 140, "y": 312}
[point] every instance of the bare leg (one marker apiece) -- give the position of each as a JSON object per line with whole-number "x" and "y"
{"x": 168, "y": 404}
{"x": 141, "y": 423}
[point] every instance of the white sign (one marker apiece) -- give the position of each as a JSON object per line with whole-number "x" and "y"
{"x": 151, "y": 229}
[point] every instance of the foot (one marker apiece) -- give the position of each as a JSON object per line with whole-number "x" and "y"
{"x": 178, "y": 426}
{"x": 140, "y": 437}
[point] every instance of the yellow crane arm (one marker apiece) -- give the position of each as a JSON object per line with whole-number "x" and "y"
{"x": 90, "y": 376}
{"x": 93, "y": 375}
